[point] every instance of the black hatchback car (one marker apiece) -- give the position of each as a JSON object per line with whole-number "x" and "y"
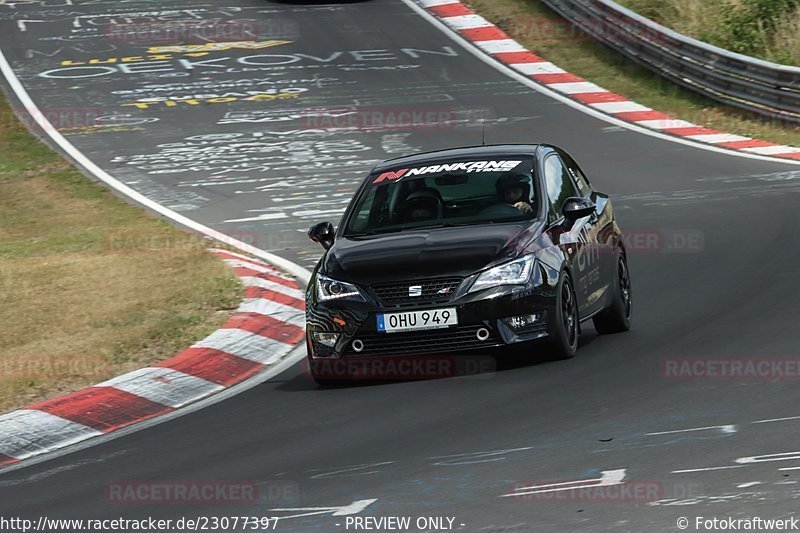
{"x": 462, "y": 249}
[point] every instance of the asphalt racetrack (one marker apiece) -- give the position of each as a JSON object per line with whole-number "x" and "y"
{"x": 262, "y": 142}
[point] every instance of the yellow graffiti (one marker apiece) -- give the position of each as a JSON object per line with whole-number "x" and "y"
{"x": 222, "y": 100}
{"x": 216, "y": 47}
{"x": 85, "y": 130}
{"x": 164, "y": 53}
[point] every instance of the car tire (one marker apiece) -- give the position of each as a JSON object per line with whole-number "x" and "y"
{"x": 565, "y": 327}
{"x": 616, "y": 318}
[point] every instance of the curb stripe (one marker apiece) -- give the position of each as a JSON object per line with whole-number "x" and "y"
{"x": 28, "y": 432}
{"x": 749, "y": 143}
{"x": 267, "y": 327}
{"x": 559, "y": 78}
{"x": 671, "y": 125}
{"x": 244, "y": 344}
{"x": 432, "y": 3}
{"x": 164, "y": 386}
{"x": 487, "y": 33}
{"x": 620, "y": 107}
{"x": 103, "y": 409}
{"x": 282, "y": 312}
{"x": 213, "y": 365}
{"x": 685, "y": 131}
{"x": 517, "y": 57}
{"x": 502, "y": 46}
{"x": 451, "y": 10}
{"x": 467, "y": 22}
{"x": 285, "y": 299}
{"x": 773, "y": 150}
{"x": 252, "y": 281}
{"x": 538, "y": 68}
{"x": 718, "y": 138}
{"x": 637, "y": 116}
{"x": 602, "y": 96}
{"x": 577, "y": 87}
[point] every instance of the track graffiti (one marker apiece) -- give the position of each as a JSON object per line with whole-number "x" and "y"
{"x": 270, "y": 95}
{"x": 168, "y": 63}
{"x": 246, "y": 152}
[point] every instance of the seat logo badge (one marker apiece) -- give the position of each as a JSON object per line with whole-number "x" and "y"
{"x": 415, "y": 290}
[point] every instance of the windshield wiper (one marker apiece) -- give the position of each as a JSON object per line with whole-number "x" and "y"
{"x": 448, "y": 225}
{"x": 412, "y": 228}
{"x": 373, "y": 232}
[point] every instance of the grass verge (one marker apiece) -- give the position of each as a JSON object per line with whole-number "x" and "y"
{"x": 90, "y": 287}
{"x": 547, "y": 34}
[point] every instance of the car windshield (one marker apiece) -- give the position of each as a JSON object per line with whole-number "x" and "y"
{"x": 447, "y": 194}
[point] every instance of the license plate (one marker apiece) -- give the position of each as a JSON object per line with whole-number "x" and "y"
{"x": 417, "y": 320}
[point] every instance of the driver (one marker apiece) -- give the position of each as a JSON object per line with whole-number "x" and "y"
{"x": 514, "y": 189}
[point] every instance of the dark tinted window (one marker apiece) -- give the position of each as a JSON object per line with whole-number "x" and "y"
{"x": 577, "y": 175}
{"x": 445, "y": 194}
{"x": 558, "y": 184}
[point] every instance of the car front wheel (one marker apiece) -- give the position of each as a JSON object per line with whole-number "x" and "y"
{"x": 564, "y": 334}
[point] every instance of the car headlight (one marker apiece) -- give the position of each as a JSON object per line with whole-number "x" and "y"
{"x": 330, "y": 289}
{"x": 516, "y": 272}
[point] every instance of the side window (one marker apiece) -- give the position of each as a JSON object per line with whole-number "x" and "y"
{"x": 559, "y": 184}
{"x": 577, "y": 175}
{"x": 360, "y": 220}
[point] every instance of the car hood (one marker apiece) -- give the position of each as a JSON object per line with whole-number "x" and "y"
{"x": 440, "y": 252}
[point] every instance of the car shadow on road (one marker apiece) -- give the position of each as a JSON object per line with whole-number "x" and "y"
{"x": 381, "y": 371}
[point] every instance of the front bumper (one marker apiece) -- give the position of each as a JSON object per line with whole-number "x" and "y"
{"x": 483, "y": 323}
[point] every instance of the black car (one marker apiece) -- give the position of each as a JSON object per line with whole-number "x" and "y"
{"x": 462, "y": 249}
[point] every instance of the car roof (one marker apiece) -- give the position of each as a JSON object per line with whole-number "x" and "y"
{"x": 439, "y": 156}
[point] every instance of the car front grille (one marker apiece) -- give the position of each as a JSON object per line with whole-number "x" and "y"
{"x": 429, "y": 291}
{"x": 450, "y": 340}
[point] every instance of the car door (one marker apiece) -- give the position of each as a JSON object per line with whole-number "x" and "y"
{"x": 603, "y": 224}
{"x": 578, "y": 241}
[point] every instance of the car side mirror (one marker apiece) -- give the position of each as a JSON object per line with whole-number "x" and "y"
{"x": 322, "y": 233}
{"x": 577, "y": 207}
